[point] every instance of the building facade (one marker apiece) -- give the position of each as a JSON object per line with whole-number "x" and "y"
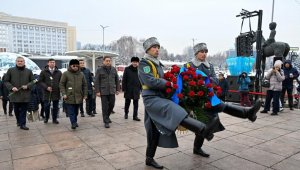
{"x": 35, "y": 36}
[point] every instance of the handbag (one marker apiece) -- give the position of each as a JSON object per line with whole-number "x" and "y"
{"x": 265, "y": 83}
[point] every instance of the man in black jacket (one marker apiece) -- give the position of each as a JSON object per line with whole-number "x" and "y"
{"x": 131, "y": 87}
{"x": 49, "y": 80}
{"x": 4, "y": 96}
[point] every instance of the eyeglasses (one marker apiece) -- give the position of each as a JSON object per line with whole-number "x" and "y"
{"x": 203, "y": 51}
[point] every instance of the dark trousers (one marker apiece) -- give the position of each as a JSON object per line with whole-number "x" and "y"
{"x": 55, "y": 108}
{"x": 152, "y": 141}
{"x": 93, "y": 106}
{"x": 108, "y": 103}
{"x": 20, "y": 112}
{"x": 198, "y": 142}
{"x": 72, "y": 110}
{"x": 10, "y": 106}
{"x": 290, "y": 96}
{"x": 275, "y": 96}
{"x": 42, "y": 113}
{"x": 135, "y": 107}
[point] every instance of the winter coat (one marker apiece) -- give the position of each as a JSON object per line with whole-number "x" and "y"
{"x": 275, "y": 80}
{"x": 160, "y": 113}
{"x": 73, "y": 84}
{"x": 17, "y": 77}
{"x": 45, "y": 81}
{"x": 244, "y": 83}
{"x": 288, "y": 81}
{"x": 33, "y": 105}
{"x": 107, "y": 81}
{"x": 224, "y": 86}
{"x": 4, "y": 92}
{"x": 131, "y": 85}
{"x": 89, "y": 79}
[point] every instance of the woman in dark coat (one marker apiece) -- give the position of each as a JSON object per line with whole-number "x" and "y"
{"x": 131, "y": 87}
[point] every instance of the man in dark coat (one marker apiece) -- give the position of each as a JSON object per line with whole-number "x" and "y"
{"x": 131, "y": 87}
{"x": 223, "y": 83}
{"x": 73, "y": 87}
{"x": 107, "y": 86}
{"x": 4, "y": 92}
{"x": 89, "y": 80}
{"x": 290, "y": 74}
{"x": 19, "y": 81}
{"x": 162, "y": 116}
{"x": 49, "y": 80}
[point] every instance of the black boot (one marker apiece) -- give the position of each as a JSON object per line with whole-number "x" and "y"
{"x": 243, "y": 112}
{"x": 200, "y": 128}
{"x": 153, "y": 163}
{"x": 198, "y": 142}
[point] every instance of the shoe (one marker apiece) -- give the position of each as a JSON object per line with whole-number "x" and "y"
{"x": 126, "y": 116}
{"x": 109, "y": 121}
{"x": 5, "y": 112}
{"x": 112, "y": 112}
{"x": 24, "y": 127}
{"x": 136, "y": 119}
{"x": 263, "y": 111}
{"x": 200, "y": 152}
{"x": 82, "y": 114}
{"x": 76, "y": 124}
{"x": 274, "y": 114}
{"x": 46, "y": 121}
{"x": 55, "y": 122}
{"x": 18, "y": 124}
{"x": 281, "y": 109}
{"x": 91, "y": 115}
{"x": 153, "y": 163}
{"x": 73, "y": 126}
{"x": 94, "y": 112}
{"x": 291, "y": 108}
{"x": 10, "y": 114}
{"x": 106, "y": 125}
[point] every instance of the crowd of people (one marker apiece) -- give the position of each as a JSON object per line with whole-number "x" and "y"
{"x": 144, "y": 77}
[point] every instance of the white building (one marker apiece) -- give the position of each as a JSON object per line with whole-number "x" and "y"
{"x": 35, "y": 36}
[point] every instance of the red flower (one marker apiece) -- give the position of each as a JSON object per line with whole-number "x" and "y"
{"x": 195, "y": 76}
{"x": 166, "y": 75}
{"x": 219, "y": 93}
{"x": 175, "y": 86}
{"x": 192, "y": 83}
{"x": 200, "y": 93}
{"x": 209, "y": 85}
{"x": 200, "y": 82}
{"x": 199, "y": 76}
{"x": 207, "y": 105}
{"x": 180, "y": 95}
{"x": 185, "y": 77}
{"x": 168, "y": 84}
{"x": 211, "y": 94}
{"x": 168, "y": 90}
{"x": 191, "y": 93}
{"x": 174, "y": 80}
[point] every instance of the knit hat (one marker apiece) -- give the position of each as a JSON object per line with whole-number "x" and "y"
{"x": 150, "y": 42}
{"x": 135, "y": 59}
{"x": 73, "y": 62}
{"x": 278, "y": 63}
{"x": 199, "y": 47}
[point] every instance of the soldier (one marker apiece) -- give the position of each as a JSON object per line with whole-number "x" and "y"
{"x": 19, "y": 81}
{"x": 200, "y": 63}
{"x": 106, "y": 86}
{"x": 162, "y": 116}
{"x": 73, "y": 87}
{"x": 49, "y": 80}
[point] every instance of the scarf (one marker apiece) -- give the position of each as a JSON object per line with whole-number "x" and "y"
{"x": 151, "y": 58}
{"x": 197, "y": 62}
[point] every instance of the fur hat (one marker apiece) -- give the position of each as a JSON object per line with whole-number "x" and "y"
{"x": 149, "y": 43}
{"x": 198, "y": 47}
{"x": 278, "y": 63}
{"x": 135, "y": 59}
{"x": 73, "y": 62}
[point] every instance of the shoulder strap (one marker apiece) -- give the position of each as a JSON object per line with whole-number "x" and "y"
{"x": 154, "y": 70}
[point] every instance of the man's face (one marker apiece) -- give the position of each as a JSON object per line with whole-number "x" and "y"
{"x": 201, "y": 55}
{"x": 51, "y": 64}
{"x": 107, "y": 62}
{"x": 75, "y": 67}
{"x": 20, "y": 62}
{"x": 81, "y": 64}
{"x": 135, "y": 64}
{"x": 154, "y": 51}
{"x": 287, "y": 65}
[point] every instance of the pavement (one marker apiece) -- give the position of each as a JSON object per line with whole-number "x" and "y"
{"x": 272, "y": 142}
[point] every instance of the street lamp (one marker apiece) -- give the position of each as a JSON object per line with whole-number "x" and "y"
{"x": 103, "y": 27}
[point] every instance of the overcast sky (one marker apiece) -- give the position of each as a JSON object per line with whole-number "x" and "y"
{"x": 174, "y": 22}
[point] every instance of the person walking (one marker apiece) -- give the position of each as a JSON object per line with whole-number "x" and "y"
{"x": 4, "y": 92}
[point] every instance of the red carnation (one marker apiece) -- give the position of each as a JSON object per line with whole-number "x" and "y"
{"x": 215, "y": 87}
{"x": 168, "y": 90}
{"x": 194, "y": 76}
{"x": 191, "y": 93}
{"x": 211, "y": 94}
{"x": 175, "y": 86}
{"x": 199, "y": 76}
{"x": 207, "y": 105}
{"x": 174, "y": 80}
{"x": 168, "y": 84}
{"x": 200, "y": 93}
{"x": 192, "y": 83}
{"x": 180, "y": 95}
{"x": 209, "y": 85}
{"x": 200, "y": 82}
{"x": 185, "y": 77}
{"x": 166, "y": 75}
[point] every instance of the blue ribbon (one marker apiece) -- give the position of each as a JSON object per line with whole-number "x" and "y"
{"x": 214, "y": 99}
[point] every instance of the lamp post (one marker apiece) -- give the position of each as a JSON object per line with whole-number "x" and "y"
{"x": 272, "y": 10}
{"x": 103, "y": 27}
